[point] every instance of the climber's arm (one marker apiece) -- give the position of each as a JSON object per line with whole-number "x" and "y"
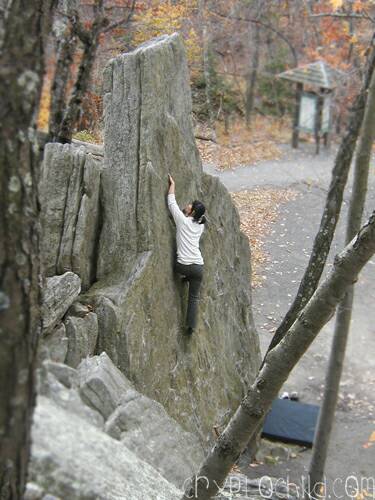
{"x": 171, "y": 184}
{"x": 177, "y": 214}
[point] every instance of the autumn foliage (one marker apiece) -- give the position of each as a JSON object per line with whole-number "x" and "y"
{"x": 289, "y": 33}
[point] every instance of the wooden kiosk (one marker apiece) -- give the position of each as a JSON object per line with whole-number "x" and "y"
{"x": 313, "y": 107}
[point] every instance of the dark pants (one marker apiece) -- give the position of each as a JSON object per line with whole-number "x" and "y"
{"x": 194, "y": 275}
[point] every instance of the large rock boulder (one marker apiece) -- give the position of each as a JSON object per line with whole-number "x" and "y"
{"x": 108, "y": 222}
{"x": 102, "y": 385}
{"x": 139, "y": 301}
{"x": 58, "y": 295}
{"x": 74, "y": 460}
{"x": 100, "y": 396}
{"x": 139, "y": 422}
{"x": 82, "y": 334}
{"x": 69, "y": 190}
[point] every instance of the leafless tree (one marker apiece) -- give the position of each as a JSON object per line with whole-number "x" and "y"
{"x": 344, "y": 310}
{"x": 64, "y": 116}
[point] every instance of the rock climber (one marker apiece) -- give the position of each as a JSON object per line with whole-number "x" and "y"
{"x": 189, "y": 228}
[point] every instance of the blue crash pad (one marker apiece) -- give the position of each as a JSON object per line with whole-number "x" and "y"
{"x": 291, "y": 422}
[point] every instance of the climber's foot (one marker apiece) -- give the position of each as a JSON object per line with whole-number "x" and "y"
{"x": 189, "y": 330}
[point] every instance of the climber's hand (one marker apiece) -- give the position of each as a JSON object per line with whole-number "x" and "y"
{"x": 170, "y": 178}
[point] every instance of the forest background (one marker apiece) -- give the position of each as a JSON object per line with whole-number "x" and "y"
{"x": 236, "y": 50}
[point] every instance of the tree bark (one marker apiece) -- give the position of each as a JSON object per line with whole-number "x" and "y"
{"x": 90, "y": 40}
{"x": 206, "y": 65}
{"x": 66, "y": 47}
{"x": 323, "y": 239}
{"x": 279, "y": 363}
{"x": 252, "y": 77}
{"x": 343, "y": 315}
{"x": 21, "y": 73}
{"x": 295, "y": 135}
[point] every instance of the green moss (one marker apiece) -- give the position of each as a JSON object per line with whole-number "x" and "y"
{"x": 85, "y": 136}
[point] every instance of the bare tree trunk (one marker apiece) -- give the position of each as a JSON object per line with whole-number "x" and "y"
{"x": 343, "y": 315}
{"x": 279, "y": 363}
{"x": 66, "y": 47}
{"x": 323, "y": 239}
{"x": 252, "y": 77}
{"x": 21, "y": 74}
{"x": 295, "y": 134}
{"x": 90, "y": 40}
{"x": 206, "y": 64}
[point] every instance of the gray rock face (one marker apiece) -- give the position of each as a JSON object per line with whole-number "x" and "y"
{"x": 54, "y": 345}
{"x": 107, "y": 220}
{"x": 74, "y": 460}
{"x": 59, "y": 294}
{"x": 144, "y": 427}
{"x": 140, "y": 423}
{"x": 70, "y": 213}
{"x": 74, "y": 399}
{"x": 82, "y": 334}
{"x": 59, "y": 383}
{"x": 102, "y": 385}
{"x": 139, "y": 301}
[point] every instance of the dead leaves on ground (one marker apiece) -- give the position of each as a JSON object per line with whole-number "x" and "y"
{"x": 258, "y": 210}
{"x": 244, "y": 146}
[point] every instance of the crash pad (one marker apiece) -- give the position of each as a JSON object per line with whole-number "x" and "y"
{"x": 291, "y": 422}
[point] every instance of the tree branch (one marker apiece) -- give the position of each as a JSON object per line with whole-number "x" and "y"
{"x": 279, "y": 363}
{"x": 264, "y": 25}
{"x": 125, "y": 21}
{"x": 323, "y": 238}
{"x": 341, "y": 15}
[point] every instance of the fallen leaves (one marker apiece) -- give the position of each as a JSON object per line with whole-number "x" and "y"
{"x": 370, "y": 442}
{"x": 258, "y": 210}
{"x": 244, "y": 146}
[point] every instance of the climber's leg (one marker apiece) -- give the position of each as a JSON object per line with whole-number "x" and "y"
{"x": 195, "y": 279}
{"x": 183, "y": 270}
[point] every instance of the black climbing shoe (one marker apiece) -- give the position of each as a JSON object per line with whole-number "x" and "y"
{"x": 189, "y": 330}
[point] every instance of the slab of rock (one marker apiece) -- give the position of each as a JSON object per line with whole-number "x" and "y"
{"x": 54, "y": 345}
{"x": 74, "y": 460}
{"x": 102, "y": 385}
{"x": 87, "y": 223}
{"x": 58, "y": 295}
{"x": 59, "y": 383}
{"x": 144, "y": 427}
{"x": 69, "y": 190}
{"x": 55, "y": 174}
{"x": 141, "y": 424}
{"x": 108, "y": 221}
{"x": 82, "y": 334}
{"x": 33, "y": 492}
{"x": 139, "y": 301}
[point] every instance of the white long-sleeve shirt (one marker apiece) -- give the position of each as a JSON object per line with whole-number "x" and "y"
{"x": 188, "y": 234}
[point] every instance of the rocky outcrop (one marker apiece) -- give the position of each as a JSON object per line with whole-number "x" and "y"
{"x": 74, "y": 460}
{"x": 58, "y": 295}
{"x": 82, "y": 334}
{"x": 106, "y": 219}
{"x": 140, "y": 303}
{"x": 69, "y": 190}
{"x": 95, "y": 437}
{"x": 96, "y": 408}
